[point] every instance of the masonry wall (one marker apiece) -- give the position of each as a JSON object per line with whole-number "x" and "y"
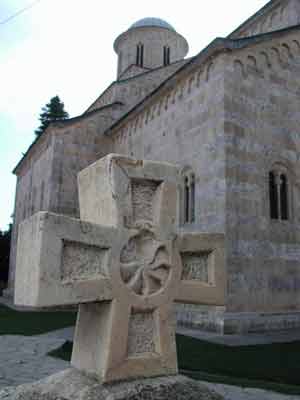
{"x": 281, "y": 15}
{"x": 78, "y": 144}
{"x": 76, "y": 147}
{"x": 47, "y": 177}
{"x": 262, "y": 104}
{"x": 33, "y": 191}
{"x": 133, "y": 89}
{"x": 185, "y": 126}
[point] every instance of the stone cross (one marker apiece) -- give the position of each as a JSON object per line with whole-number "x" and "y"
{"x": 125, "y": 263}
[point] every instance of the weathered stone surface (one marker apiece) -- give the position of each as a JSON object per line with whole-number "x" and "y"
{"x": 73, "y": 385}
{"x": 122, "y": 263}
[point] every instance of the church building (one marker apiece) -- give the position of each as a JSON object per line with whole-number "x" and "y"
{"x": 230, "y": 117}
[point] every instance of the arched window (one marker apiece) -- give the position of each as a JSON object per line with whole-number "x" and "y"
{"x": 140, "y": 55}
{"x": 188, "y": 198}
{"x": 279, "y": 194}
{"x": 166, "y": 55}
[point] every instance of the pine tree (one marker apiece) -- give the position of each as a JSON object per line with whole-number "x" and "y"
{"x": 53, "y": 111}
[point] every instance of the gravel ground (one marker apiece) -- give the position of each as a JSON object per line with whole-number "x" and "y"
{"x": 24, "y": 359}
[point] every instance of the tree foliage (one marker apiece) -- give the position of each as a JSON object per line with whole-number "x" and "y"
{"x": 5, "y": 237}
{"x": 52, "y": 111}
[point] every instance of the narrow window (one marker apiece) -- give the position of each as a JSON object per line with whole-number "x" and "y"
{"x": 189, "y": 198}
{"x": 137, "y": 54}
{"x": 140, "y": 55}
{"x": 166, "y": 55}
{"x": 284, "y": 197}
{"x": 192, "y": 198}
{"x": 186, "y": 200}
{"x": 273, "y": 196}
{"x": 279, "y": 198}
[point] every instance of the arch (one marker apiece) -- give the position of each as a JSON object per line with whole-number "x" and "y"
{"x": 239, "y": 67}
{"x": 274, "y": 17}
{"x": 266, "y": 58}
{"x": 277, "y": 54}
{"x": 296, "y": 47}
{"x": 287, "y": 50}
{"x": 209, "y": 70}
{"x": 199, "y": 74}
{"x": 252, "y": 63}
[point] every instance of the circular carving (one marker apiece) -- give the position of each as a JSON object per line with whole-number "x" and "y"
{"x": 145, "y": 266}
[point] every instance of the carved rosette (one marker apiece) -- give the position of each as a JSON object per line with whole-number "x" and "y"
{"x": 145, "y": 263}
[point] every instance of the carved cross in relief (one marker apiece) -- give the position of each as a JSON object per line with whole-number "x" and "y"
{"x": 124, "y": 263}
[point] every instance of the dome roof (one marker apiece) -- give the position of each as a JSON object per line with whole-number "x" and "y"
{"x": 152, "y": 22}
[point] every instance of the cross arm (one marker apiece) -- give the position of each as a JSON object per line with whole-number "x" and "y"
{"x": 203, "y": 279}
{"x": 62, "y": 261}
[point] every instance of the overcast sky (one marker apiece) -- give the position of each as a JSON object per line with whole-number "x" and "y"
{"x": 64, "y": 47}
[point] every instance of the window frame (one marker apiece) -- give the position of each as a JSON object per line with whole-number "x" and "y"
{"x": 140, "y": 55}
{"x": 188, "y": 197}
{"x": 279, "y": 170}
{"x": 166, "y": 55}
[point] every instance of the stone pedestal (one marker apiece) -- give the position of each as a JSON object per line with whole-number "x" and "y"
{"x": 74, "y": 385}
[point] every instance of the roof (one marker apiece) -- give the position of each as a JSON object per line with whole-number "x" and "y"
{"x": 217, "y": 46}
{"x": 156, "y": 22}
{"x": 268, "y": 6}
{"x": 60, "y": 124}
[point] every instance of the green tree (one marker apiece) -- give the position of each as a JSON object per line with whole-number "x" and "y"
{"x": 52, "y": 111}
{"x": 5, "y": 237}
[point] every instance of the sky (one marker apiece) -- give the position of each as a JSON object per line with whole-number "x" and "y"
{"x": 64, "y": 47}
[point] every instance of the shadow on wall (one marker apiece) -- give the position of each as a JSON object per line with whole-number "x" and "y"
{"x": 5, "y": 237}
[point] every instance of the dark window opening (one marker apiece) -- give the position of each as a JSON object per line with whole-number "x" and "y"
{"x": 137, "y": 55}
{"x": 284, "y": 197}
{"x": 189, "y": 199}
{"x": 192, "y": 212}
{"x": 166, "y": 55}
{"x": 140, "y": 55}
{"x": 186, "y": 200}
{"x": 278, "y": 192}
{"x": 273, "y": 196}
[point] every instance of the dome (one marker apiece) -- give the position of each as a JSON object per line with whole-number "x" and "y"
{"x": 152, "y": 22}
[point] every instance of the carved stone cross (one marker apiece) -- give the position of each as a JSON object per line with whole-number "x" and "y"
{"x": 125, "y": 263}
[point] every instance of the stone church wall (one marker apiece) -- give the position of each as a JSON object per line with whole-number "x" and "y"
{"x": 185, "y": 126}
{"x": 47, "y": 178}
{"x": 74, "y": 144}
{"x": 132, "y": 90}
{"x": 33, "y": 190}
{"x": 76, "y": 147}
{"x": 262, "y": 106}
{"x": 283, "y": 14}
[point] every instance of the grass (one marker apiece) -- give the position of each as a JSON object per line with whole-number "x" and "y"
{"x": 278, "y": 363}
{"x": 34, "y": 322}
{"x": 271, "y": 367}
